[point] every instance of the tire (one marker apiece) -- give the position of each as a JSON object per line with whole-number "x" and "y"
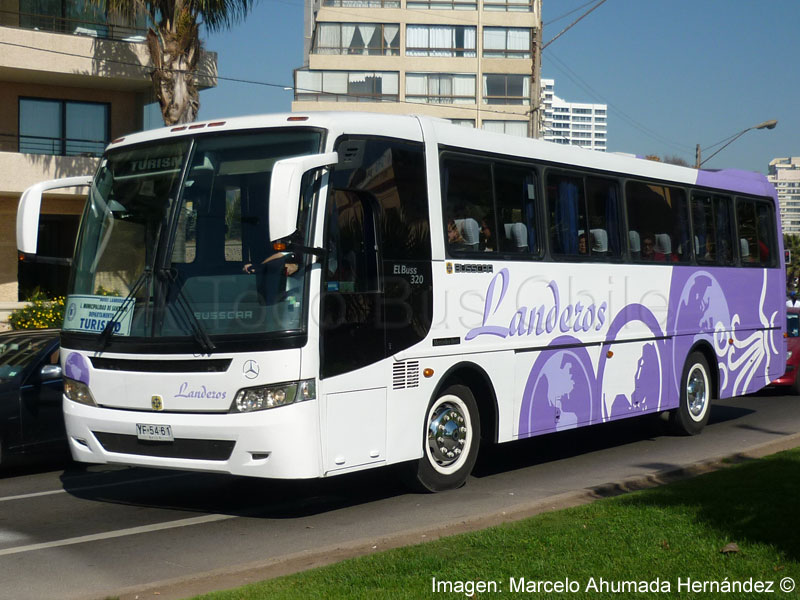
{"x": 695, "y": 404}
{"x": 448, "y": 458}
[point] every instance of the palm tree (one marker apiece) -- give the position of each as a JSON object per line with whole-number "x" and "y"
{"x": 173, "y": 41}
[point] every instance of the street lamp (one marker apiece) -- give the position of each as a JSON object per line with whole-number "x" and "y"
{"x": 765, "y": 125}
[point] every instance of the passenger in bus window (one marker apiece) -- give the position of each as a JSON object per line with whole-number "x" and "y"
{"x": 487, "y": 241}
{"x": 648, "y": 248}
{"x": 583, "y": 245}
{"x": 455, "y": 240}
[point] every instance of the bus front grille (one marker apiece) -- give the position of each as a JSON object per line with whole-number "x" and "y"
{"x": 180, "y": 448}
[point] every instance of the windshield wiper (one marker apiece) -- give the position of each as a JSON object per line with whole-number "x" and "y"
{"x": 190, "y": 320}
{"x": 105, "y": 335}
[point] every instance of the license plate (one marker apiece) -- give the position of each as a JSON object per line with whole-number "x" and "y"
{"x": 155, "y": 433}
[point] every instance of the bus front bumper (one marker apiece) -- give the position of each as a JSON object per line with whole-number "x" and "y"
{"x": 280, "y": 443}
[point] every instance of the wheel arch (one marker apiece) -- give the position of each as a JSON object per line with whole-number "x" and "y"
{"x": 477, "y": 380}
{"x": 704, "y": 348}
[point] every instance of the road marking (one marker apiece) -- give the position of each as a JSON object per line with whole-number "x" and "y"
{"x": 119, "y": 533}
{"x": 89, "y": 487}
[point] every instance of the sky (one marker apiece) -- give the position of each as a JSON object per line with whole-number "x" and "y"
{"x": 674, "y": 74}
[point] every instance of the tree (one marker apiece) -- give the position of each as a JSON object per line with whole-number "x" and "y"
{"x": 669, "y": 160}
{"x": 676, "y": 160}
{"x": 792, "y": 243}
{"x": 173, "y": 42}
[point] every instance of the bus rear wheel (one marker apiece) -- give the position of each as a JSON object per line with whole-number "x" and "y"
{"x": 450, "y": 441}
{"x": 694, "y": 409}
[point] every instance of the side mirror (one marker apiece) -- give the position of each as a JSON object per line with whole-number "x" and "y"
{"x": 30, "y": 205}
{"x": 284, "y": 190}
{"x": 50, "y": 373}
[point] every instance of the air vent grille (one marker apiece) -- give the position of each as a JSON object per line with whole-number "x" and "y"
{"x": 405, "y": 375}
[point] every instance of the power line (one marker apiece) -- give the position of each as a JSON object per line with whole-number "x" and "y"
{"x": 571, "y": 25}
{"x": 625, "y": 117}
{"x": 565, "y": 15}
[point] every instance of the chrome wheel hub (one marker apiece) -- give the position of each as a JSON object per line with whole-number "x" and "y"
{"x": 447, "y": 433}
{"x": 696, "y": 393}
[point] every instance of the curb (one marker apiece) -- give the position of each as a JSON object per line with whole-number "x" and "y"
{"x": 226, "y": 578}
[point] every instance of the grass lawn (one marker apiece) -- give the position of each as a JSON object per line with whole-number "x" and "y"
{"x": 669, "y": 536}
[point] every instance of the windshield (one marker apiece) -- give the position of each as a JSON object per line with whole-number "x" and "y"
{"x": 174, "y": 241}
{"x": 17, "y": 352}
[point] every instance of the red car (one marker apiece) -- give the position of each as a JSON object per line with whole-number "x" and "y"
{"x": 793, "y": 351}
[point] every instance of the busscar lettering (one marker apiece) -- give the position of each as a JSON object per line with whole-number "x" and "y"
{"x": 536, "y": 320}
{"x": 473, "y": 268}
{"x": 224, "y": 315}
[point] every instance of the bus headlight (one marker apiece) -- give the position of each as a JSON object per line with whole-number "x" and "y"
{"x": 78, "y": 391}
{"x": 272, "y": 396}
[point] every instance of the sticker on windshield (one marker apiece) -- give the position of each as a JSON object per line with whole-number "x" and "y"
{"x": 92, "y": 313}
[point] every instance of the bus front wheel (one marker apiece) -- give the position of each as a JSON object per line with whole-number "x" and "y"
{"x": 450, "y": 441}
{"x": 693, "y": 411}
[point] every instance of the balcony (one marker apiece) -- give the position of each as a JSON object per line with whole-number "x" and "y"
{"x": 86, "y": 25}
{"x": 87, "y": 50}
{"x": 51, "y": 146}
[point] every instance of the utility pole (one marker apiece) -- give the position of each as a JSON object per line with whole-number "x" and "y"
{"x": 534, "y": 116}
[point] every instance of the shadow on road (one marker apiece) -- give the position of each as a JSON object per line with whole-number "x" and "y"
{"x": 281, "y": 499}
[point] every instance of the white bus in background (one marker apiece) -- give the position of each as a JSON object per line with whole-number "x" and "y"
{"x": 298, "y": 296}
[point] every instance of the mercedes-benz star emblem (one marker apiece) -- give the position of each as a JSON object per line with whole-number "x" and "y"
{"x": 250, "y": 369}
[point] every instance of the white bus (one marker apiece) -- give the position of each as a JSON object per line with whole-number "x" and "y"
{"x": 299, "y": 296}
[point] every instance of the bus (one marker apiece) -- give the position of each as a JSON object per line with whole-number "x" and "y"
{"x": 307, "y": 295}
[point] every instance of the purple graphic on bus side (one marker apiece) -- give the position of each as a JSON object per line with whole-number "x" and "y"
{"x": 560, "y": 392}
{"x": 728, "y": 313}
{"x": 641, "y": 363}
{"x": 734, "y": 312}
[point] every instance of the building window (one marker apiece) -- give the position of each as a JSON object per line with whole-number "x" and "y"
{"x": 80, "y": 18}
{"x": 506, "y": 89}
{"x": 508, "y": 5}
{"x": 372, "y": 39}
{"x": 440, "y": 40}
{"x": 506, "y": 42}
{"x": 467, "y": 123}
{"x": 518, "y": 128}
{"x": 440, "y": 88}
{"x": 442, "y": 4}
{"x": 63, "y": 127}
{"x": 363, "y": 3}
{"x": 346, "y": 86}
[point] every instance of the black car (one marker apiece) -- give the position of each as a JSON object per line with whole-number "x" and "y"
{"x": 31, "y": 386}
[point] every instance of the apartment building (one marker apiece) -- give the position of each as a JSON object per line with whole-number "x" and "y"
{"x": 784, "y": 174}
{"x": 575, "y": 123}
{"x": 72, "y": 78}
{"x": 470, "y": 61}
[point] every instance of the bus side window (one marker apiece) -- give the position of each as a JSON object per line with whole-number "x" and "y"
{"x": 515, "y": 191}
{"x": 755, "y": 232}
{"x": 468, "y": 206}
{"x": 567, "y": 209}
{"x": 711, "y": 224}
{"x": 604, "y": 210}
{"x": 660, "y": 217}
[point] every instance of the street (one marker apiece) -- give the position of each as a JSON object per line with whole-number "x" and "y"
{"x": 95, "y": 531}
